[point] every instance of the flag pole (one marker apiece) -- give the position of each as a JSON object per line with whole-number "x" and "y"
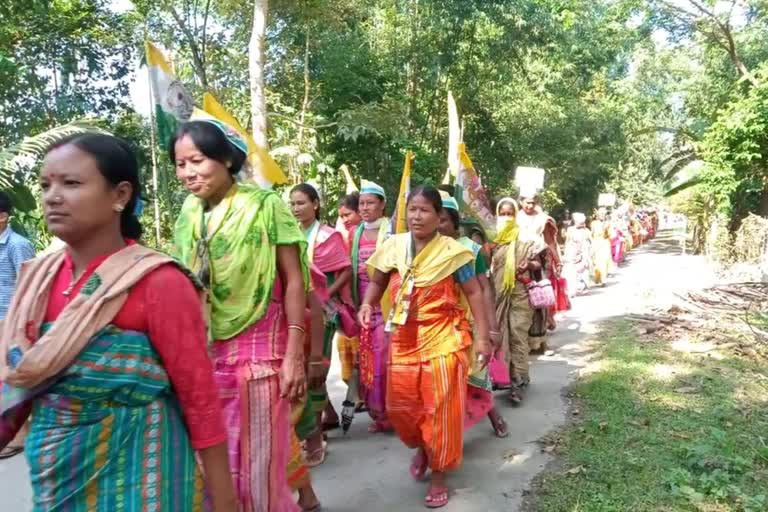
{"x": 153, "y": 147}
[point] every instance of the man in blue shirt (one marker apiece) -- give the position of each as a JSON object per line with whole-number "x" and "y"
{"x": 14, "y": 249}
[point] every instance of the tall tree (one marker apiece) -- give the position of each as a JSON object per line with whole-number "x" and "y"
{"x": 256, "y": 64}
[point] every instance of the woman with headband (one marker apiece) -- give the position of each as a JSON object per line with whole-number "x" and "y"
{"x": 374, "y": 349}
{"x": 247, "y": 249}
{"x": 480, "y": 388}
{"x": 430, "y": 336}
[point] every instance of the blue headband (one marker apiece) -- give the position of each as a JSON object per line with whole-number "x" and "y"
{"x": 449, "y": 202}
{"x": 369, "y": 187}
{"x": 230, "y": 133}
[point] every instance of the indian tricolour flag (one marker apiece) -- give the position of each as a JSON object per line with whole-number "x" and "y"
{"x": 173, "y": 103}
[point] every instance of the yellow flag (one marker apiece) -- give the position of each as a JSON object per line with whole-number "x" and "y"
{"x": 402, "y": 196}
{"x": 258, "y": 157}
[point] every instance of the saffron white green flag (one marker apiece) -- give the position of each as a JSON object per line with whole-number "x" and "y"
{"x": 173, "y": 103}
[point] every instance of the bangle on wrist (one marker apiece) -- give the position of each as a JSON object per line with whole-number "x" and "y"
{"x": 297, "y": 327}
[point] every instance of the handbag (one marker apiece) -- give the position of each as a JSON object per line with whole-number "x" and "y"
{"x": 540, "y": 294}
{"x": 499, "y": 372}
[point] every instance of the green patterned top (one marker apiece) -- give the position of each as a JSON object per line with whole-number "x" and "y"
{"x": 240, "y": 236}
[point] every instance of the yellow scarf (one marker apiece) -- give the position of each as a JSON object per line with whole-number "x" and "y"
{"x": 508, "y": 236}
{"x": 440, "y": 258}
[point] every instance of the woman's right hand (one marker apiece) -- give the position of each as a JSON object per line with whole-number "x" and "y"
{"x": 364, "y": 316}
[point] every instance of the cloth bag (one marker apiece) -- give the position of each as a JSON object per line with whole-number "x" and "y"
{"x": 540, "y": 294}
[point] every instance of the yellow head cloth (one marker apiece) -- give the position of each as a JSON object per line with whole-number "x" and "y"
{"x": 508, "y": 236}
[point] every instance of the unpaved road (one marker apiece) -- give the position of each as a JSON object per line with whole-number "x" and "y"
{"x": 365, "y": 472}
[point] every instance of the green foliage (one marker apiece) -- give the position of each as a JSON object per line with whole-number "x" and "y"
{"x": 584, "y": 89}
{"x": 663, "y": 430}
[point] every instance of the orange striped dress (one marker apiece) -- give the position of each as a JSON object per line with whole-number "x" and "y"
{"x": 426, "y": 385}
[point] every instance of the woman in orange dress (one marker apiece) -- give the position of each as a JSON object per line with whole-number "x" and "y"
{"x": 429, "y": 337}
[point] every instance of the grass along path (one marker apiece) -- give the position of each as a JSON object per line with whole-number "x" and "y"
{"x": 658, "y": 429}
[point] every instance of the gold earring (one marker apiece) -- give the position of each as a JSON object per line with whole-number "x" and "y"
{"x": 119, "y": 208}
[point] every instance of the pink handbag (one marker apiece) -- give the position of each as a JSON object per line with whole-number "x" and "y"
{"x": 499, "y": 371}
{"x": 540, "y": 294}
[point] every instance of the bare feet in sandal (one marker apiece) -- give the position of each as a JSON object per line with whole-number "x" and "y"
{"x": 377, "y": 427}
{"x": 499, "y": 425}
{"x": 419, "y": 465}
{"x": 308, "y": 500}
{"x": 314, "y": 451}
{"x": 10, "y": 451}
{"x": 437, "y": 495}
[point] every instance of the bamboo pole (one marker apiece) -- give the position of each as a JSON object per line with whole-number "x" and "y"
{"x": 153, "y": 145}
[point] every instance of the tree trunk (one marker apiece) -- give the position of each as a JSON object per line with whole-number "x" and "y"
{"x": 198, "y": 57}
{"x": 256, "y": 62}
{"x": 763, "y": 208}
{"x": 304, "y": 108}
{"x": 411, "y": 86}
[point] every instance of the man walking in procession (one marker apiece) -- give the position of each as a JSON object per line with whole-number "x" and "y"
{"x": 14, "y": 250}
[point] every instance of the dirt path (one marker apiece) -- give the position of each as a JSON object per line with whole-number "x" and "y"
{"x": 369, "y": 472}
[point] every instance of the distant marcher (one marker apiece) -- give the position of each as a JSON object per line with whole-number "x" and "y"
{"x": 14, "y": 249}
{"x": 578, "y": 254}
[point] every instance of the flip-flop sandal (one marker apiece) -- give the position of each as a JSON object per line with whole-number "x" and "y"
{"x": 378, "y": 428}
{"x": 436, "y": 497}
{"x": 10, "y": 451}
{"x": 515, "y": 398}
{"x": 316, "y": 508}
{"x": 500, "y": 429}
{"x": 419, "y": 467}
{"x": 361, "y": 407}
{"x": 316, "y": 457}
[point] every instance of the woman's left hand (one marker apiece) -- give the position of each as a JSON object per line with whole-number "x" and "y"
{"x": 293, "y": 380}
{"x": 484, "y": 350}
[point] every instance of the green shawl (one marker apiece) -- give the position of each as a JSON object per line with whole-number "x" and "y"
{"x": 243, "y": 233}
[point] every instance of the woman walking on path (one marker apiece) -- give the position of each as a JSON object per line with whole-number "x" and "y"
{"x": 513, "y": 258}
{"x": 327, "y": 251}
{"x": 429, "y": 337}
{"x": 249, "y": 252}
{"x": 374, "y": 348}
{"x": 578, "y": 255}
{"x": 108, "y": 434}
{"x": 479, "y": 386}
{"x": 553, "y": 271}
{"x": 350, "y": 219}
{"x": 601, "y": 248}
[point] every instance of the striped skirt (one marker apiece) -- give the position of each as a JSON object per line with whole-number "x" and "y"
{"x": 426, "y": 405}
{"x": 258, "y": 420}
